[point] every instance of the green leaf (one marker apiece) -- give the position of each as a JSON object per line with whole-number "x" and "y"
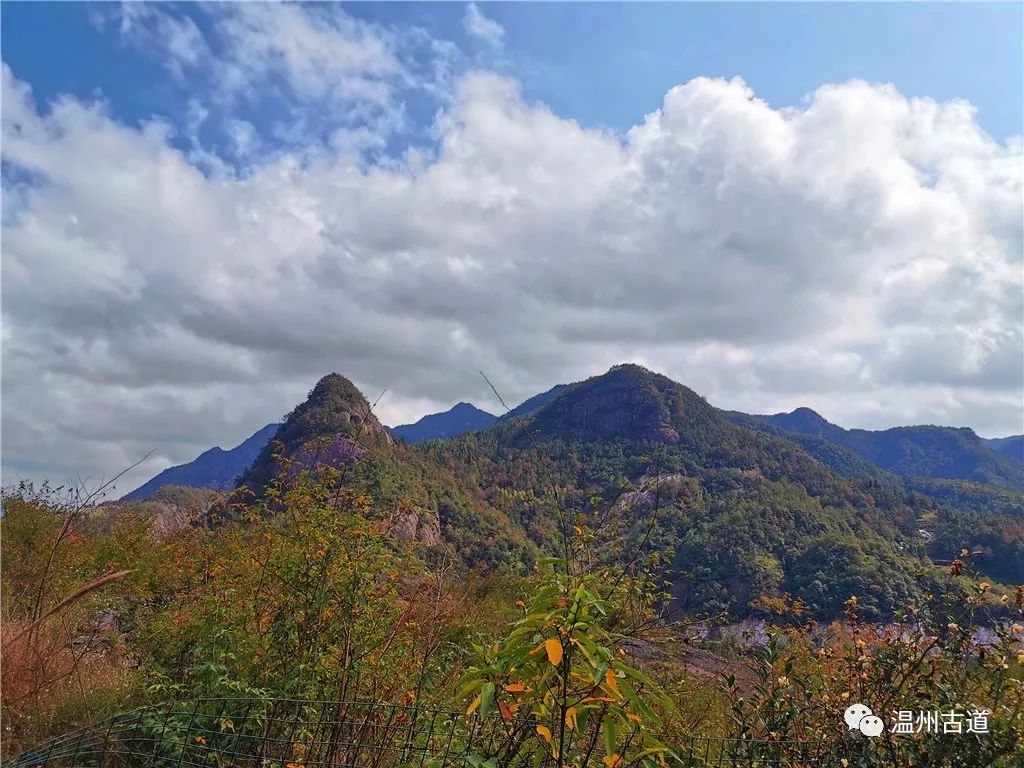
{"x": 486, "y": 699}
{"x": 610, "y": 737}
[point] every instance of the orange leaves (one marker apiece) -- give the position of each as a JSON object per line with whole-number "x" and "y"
{"x": 553, "y": 646}
{"x": 544, "y": 732}
{"x": 612, "y": 761}
{"x": 611, "y": 682}
{"x": 516, "y": 688}
{"x": 570, "y": 718}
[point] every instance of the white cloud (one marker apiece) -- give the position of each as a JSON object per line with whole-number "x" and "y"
{"x": 860, "y": 254}
{"x": 318, "y": 51}
{"x": 483, "y": 28}
{"x": 149, "y": 27}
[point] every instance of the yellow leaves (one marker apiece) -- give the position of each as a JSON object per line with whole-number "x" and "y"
{"x": 553, "y": 646}
{"x": 612, "y": 761}
{"x": 570, "y": 718}
{"x": 611, "y": 682}
{"x": 475, "y": 705}
{"x": 544, "y": 732}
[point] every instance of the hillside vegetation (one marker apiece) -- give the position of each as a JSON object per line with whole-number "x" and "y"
{"x": 569, "y": 571}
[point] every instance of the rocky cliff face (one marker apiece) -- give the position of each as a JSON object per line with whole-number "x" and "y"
{"x": 627, "y": 402}
{"x": 414, "y": 525}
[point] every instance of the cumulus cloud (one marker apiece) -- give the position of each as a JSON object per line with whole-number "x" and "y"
{"x": 860, "y": 254}
{"x": 483, "y": 28}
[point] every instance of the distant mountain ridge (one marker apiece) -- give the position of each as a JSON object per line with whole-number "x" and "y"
{"x": 1012, "y": 446}
{"x": 457, "y": 420}
{"x": 944, "y": 453}
{"x": 533, "y": 403}
{"x": 215, "y": 469}
{"x": 948, "y": 453}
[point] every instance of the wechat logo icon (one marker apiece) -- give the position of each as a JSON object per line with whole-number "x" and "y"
{"x": 860, "y": 718}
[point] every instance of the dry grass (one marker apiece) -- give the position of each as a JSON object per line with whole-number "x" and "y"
{"x": 55, "y": 675}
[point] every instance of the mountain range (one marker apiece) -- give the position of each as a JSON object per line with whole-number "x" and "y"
{"x": 945, "y": 453}
{"x": 747, "y": 507}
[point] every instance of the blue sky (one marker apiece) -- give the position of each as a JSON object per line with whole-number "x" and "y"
{"x": 604, "y": 64}
{"x": 209, "y": 206}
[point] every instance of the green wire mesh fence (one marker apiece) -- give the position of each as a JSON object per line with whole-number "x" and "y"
{"x": 289, "y": 733}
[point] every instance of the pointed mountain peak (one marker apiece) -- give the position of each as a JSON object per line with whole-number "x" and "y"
{"x": 335, "y": 424}
{"x": 333, "y": 388}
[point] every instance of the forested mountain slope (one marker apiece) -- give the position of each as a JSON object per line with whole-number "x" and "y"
{"x": 748, "y": 514}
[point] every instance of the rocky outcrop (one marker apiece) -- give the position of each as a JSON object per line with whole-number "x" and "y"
{"x": 412, "y": 525}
